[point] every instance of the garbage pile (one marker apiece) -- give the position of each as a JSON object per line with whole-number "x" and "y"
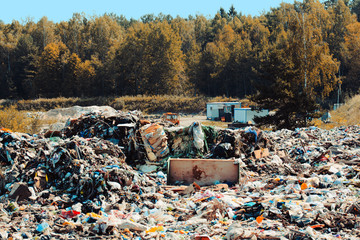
{"x": 302, "y": 184}
{"x": 74, "y": 166}
{"x": 119, "y": 128}
{"x": 57, "y": 117}
{"x": 80, "y": 176}
{"x": 199, "y": 141}
{"x": 191, "y": 141}
{"x": 143, "y": 141}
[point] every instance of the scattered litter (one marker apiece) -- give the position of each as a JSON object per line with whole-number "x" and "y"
{"x": 107, "y": 177}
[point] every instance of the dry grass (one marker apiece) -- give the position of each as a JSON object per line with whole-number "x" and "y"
{"x": 44, "y": 104}
{"x": 13, "y": 119}
{"x": 21, "y": 121}
{"x": 166, "y": 103}
{"x": 215, "y": 123}
{"x": 348, "y": 114}
{"x": 161, "y": 103}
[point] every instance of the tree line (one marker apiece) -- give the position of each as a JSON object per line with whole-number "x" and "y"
{"x": 291, "y": 51}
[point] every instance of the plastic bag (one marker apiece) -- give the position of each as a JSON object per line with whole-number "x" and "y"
{"x": 198, "y": 135}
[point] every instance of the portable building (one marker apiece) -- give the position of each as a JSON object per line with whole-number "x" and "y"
{"x": 244, "y": 115}
{"x": 216, "y": 110}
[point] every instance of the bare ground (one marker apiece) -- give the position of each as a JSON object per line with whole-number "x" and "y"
{"x": 187, "y": 120}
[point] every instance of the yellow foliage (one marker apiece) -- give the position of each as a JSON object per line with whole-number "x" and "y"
{"x": 15, "y": 120}
{"x": 21, "y": 121}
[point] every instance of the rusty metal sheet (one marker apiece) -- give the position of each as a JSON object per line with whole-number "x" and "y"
{"x": 202, "y": 171}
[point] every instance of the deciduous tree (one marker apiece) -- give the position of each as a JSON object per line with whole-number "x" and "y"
{"x": 297, "y": 72}
{"x": 151, "y": 60}
{"x": 51, "y": 70}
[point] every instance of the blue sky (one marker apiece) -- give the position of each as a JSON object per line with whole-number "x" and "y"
{"x": 63, "y": 10}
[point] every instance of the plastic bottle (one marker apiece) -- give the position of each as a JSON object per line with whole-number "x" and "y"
{"x": 42, "y": 227}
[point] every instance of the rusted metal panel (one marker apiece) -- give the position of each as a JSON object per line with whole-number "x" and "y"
{"x": 202, "y": 171}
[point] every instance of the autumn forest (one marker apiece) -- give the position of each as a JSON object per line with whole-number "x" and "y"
{"x": 304, "y": 48}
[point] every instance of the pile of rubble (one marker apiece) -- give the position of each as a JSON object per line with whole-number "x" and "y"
{"x": 79, "y": 184}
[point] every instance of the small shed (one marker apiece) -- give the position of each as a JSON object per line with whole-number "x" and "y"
{"x": 216, "y": 110}
{"x": 244, "y": 115}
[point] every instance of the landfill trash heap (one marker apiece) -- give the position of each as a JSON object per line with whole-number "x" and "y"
{"x": 144, "y": 141}
{"x": 78, "y": 184}
{"x": 120, "y": 128}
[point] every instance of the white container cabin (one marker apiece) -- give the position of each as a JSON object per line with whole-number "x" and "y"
{"x": 245, "y": 115}
{"x": 216, "y": 110}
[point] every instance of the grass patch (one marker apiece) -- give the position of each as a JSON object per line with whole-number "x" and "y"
{"x": 45, "y": 104}
{"x": 215, "y": 124}
{"x": 21, "y": 121}
{"x": 160, "y": 104}
{"x": 346, "y": 115}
